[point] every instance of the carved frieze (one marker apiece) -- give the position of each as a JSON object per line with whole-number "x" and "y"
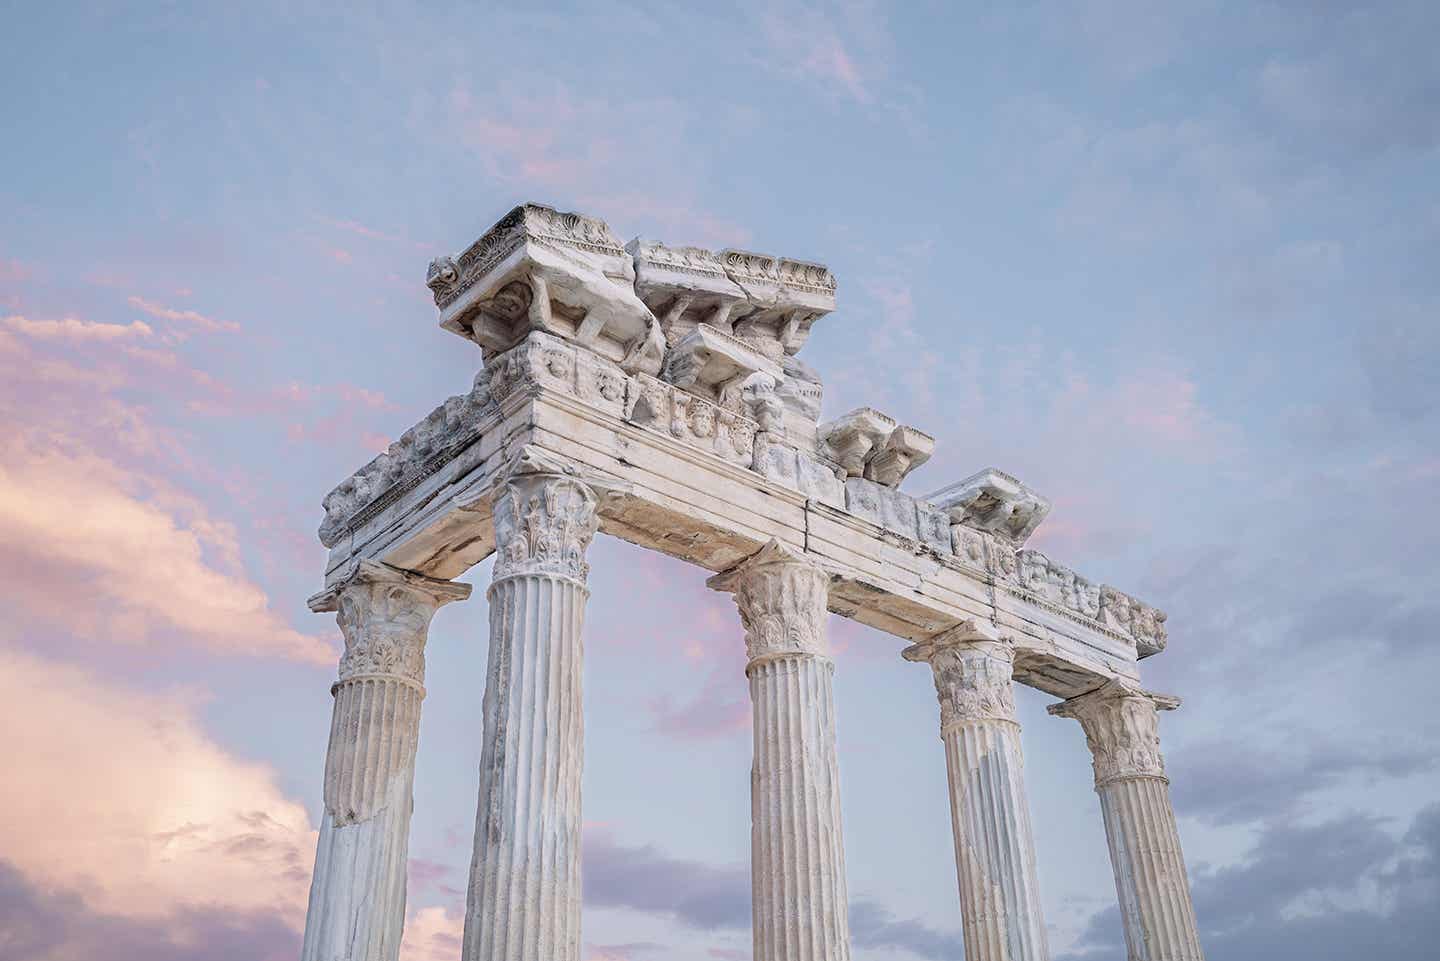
{"x": 1122, "y": 728}
{"x": 782, "y": 596}
{"x": 692, "y": 420}
{"x": 546, "y": 361}
{"x": 1140, "y": 620}
{"x": 1058, "y": 584}
{"x": 777, "y": 460}
{"x": 436, "y": 439}
{"x": 898, "y": 513}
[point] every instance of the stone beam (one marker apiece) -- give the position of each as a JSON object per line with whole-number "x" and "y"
{"x": 691, "y": 493}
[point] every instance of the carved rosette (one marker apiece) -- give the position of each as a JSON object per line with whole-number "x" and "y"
{"x": 973, "y": 670}
{"x": 782, "y": 597}
{"x": 1122, "y": 728}
{"x": 543, "y": 524}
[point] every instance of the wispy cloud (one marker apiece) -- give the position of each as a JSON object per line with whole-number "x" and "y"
{"x": 181, "y": 316}
{"x": 145, "y": 814}
{"x": 73, "y": 328}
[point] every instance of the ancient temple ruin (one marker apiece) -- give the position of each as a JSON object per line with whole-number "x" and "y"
{"x": 656, "y": 393}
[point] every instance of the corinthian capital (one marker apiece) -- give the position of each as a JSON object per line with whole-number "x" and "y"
{"x": 973, "y": 666}
{"x": 782, "y": 596}
{"x": 545, "y": 516}
{"x": 384, "y": 614}
{"x": 1122, "y": 727}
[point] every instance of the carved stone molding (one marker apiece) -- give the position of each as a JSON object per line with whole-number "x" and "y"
{"x": 447, "y": 429}
{"x": 692, "y": 420}
{"x": 782, "y": 596}
{"x": 540, "y": 269}
{"x": 545, "y": 518}
{"x": 973, "y": 668}
{"x": 384, "y": 615}
{"x": 995, "y": 502}
{"x": 1141, "y": 621}
{"x": 1122, "y": 728}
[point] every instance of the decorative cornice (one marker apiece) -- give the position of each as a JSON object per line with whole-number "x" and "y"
{"x": 449, "y": 277}
{"x": 1122, "y": 728}
{"x": 973, "y": 668}
{"x": 419, "y": 452}
{"x": 384, "y": 614}
{"x": 782, "y": 596}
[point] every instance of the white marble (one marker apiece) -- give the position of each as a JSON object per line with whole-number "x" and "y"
{"x": 654, "y": 392}
{"x": 797, "y": 852}
{"x": 1121, "y": 724}
{"x": 523, "y": 902}
{"x": 357, "y": 892}
{"x": 1000, "y": 909}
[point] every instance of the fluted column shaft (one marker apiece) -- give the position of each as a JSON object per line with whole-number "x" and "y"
{"x": 524, "y": 895}
{"x": 1122, "y": 728}
{"x": 1001, "y": 915}
{"x": 797, "y": 852}
{"x": 357, "y": 892}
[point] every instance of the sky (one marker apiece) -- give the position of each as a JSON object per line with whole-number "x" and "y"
{"x": 1165, "y": 263}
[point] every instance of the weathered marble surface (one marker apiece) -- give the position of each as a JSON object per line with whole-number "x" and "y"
{"x": 653, "y": 392}
{"x": 1122, "y": 729}
{"x": 523, "y": 902}
{"x": 725, "y": 385}
{"x": 797, "y": 853}
{"x": 1000, "y": 907}
{"x": 357, "y": 892}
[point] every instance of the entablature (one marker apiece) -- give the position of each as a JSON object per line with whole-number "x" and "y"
{"x": 715, "y": 435}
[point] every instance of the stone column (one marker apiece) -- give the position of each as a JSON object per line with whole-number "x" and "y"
{"x": 797, "y": 854}
{"x": 1000, "y": 908}
{"x": 357, "y": 893}
{"x": 524, "y": 896}
{"x": 1122, "y": 727}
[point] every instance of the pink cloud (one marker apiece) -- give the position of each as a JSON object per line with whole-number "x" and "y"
{"x": 721, "y": 708}
{"x": 72, "y": 328}
{"x": 122, "y": 796}
{"x": 78, "y": 524}
{"x": 433, "y": 934}
{"x": 185, "y": 316}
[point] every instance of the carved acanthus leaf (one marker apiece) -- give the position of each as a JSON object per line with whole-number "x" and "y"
{"x": 544, "y": 522}
{"x": 384, "y": 614}
{"x": 782, "y": 596}
{"x": 1122, "y": 728}
{"x": 973, "y": 668}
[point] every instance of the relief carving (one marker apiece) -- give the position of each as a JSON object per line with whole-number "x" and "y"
{"x": 384, "y": 615}
{"x": 782, "y": 597}
{"x": 446, "y": 430}
{"x": 973, "y": 670}
{"x": 1122, "y": 728}
{"x": 544, "y": 523}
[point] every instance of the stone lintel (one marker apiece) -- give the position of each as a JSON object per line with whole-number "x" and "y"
{"x": 693, "y": 505}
